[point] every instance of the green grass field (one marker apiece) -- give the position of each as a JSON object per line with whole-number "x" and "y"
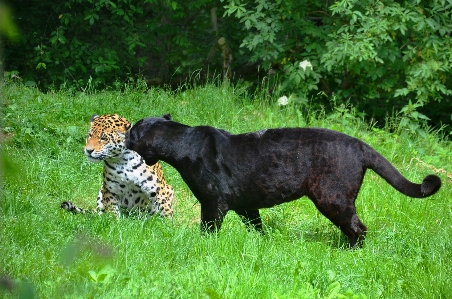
{"x": 46, "y": 252}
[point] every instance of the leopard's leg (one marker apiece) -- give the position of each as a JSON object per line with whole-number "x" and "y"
{"x": 115, "y": 209}
{"x": 107, "y": 201}
{"x": 159, "y": 193}
{"x": 149, "y": 187}
{"x": 165, "y": 198}
{"x": 153, "y": 207}
{"x": 100, "y": 207}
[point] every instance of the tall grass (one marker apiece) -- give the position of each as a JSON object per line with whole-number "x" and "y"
{"x": 49, "y": 253}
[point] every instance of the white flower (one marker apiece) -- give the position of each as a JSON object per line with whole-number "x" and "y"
{"x": 304, "y": 64}
{"x": 283, "y": 101}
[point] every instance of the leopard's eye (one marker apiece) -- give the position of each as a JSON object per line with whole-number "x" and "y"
{"x": 103, "y": 137}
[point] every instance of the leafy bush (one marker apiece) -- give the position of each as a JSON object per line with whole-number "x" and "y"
{"x": 379, "y": 55}
{"x": 77, "y": 41}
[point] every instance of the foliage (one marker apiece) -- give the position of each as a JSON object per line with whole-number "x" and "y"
{"x": 8, "y": 28}
{"x": 76, "y": 41}
{"x": 277, "y": 30}
{"x": 376, "y": 54}
{"x": 379, "y": 56}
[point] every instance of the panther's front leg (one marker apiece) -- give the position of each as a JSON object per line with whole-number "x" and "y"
{"x": 252, "y": 219}
{"x": 212, "y": 215}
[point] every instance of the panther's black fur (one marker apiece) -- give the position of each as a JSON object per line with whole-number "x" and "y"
{"x": 250, "y": 171}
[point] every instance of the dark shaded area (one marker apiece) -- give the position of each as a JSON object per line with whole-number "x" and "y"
{"x": 69, "y": 42}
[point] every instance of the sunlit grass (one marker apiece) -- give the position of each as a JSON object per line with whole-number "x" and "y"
{"x": 49, "y": 253}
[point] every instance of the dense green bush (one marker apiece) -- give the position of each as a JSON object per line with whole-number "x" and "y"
{"x": 77, "y": 42}
{"x": 379, "y": 55}
{"x": 383, "y": 57}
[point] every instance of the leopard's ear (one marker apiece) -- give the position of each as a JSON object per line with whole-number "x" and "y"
{"x": 126, "y": 123}
{"x": 167, "y": 116}
{"x": 128, "y": 128}
{"x": 93, "y": 117}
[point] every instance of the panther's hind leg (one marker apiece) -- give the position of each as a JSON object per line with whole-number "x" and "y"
{"x": 353, "y": 228}
{"x": 343, "y": 214}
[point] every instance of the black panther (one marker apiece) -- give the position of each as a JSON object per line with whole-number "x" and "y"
{"x": 247, "y": 172}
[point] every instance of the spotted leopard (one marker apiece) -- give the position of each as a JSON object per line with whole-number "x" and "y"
{"x": 128, "y": 182}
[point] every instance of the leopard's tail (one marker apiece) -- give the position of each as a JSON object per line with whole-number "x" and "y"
{"x": 429, "y": 186}
{"x": 70, "y": 207}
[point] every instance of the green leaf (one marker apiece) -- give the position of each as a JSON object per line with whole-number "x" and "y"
{"x": 432, "y": 23}
{"x": 401, "y": 92}
{"x": 101, "y": 277}
{"x": 41, "y": 65}
{"x": 333, "y": 290}
{"x": 422, "y": 116}
{"x": 30, "y": 83}
{"x": 248, "y": 24}
{"x": 93, "y": 275}
{"x": 422, "y": 133}
{"x": 297, "y": 78}
{"x": 404, "y": 121}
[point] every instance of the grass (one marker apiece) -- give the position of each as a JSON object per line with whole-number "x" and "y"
{"x": 49, "y": 253}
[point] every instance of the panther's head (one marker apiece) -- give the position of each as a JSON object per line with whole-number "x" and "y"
{"x": 106, "y": 137}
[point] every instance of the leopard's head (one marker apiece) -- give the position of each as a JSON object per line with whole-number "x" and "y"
{"x": 106, "y": 137}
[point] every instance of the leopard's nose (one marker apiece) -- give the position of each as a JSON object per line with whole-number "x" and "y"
{"x": 89, "y": 151}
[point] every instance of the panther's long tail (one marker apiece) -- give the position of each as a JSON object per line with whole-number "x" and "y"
{"x": 70, "y": 207}
{"x": 429, "y": 186}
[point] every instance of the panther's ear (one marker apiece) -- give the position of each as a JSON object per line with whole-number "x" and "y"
{"x": 93, "y": 117}
{"x": 167, "y": 116}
